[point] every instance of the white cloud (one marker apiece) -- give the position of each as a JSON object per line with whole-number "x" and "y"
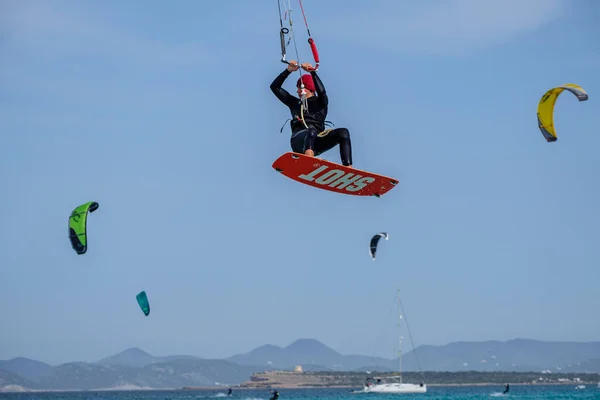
{"x": 443, "y": 26}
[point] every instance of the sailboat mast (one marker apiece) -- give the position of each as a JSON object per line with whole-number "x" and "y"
{"x": 399, "y": 337}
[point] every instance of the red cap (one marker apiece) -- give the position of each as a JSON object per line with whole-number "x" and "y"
{"x": 308, "y": 82}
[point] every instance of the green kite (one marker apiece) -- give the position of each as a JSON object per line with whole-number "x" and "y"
{"x": 78, "y": 226}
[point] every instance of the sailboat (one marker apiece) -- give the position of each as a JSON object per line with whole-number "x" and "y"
{"x": 393, "y": 384}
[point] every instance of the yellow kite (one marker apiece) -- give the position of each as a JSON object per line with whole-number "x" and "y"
{"x": 545, "y": 111}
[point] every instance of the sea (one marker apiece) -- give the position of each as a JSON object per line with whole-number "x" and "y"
{"x": 525, "y": 392}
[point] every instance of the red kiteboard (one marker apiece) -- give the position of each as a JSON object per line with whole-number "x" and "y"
{"x": 334, "y": 177}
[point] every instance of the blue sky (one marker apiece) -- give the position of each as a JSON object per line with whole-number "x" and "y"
{"x": 164, "y": 116}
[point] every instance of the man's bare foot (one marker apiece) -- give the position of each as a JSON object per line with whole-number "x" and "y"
{"x": 309, "y": 153}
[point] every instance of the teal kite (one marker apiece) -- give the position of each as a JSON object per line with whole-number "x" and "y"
{"x": 142, "y": 300}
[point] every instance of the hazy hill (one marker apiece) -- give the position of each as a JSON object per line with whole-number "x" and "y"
{"x": 26, "y": 368}
{"x": 512, "y": 355}
{"x": 166, "y": 375}
{"x": 306, "y": 352}
{"x": 135, "y": 357}
{"x": 137, "y": 368}
{"x": 592, "y": 365}
{"x": 10, "y": 378}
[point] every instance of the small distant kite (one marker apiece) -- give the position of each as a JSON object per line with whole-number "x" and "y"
{"x": 545, "y": 110}
{"x": 375, "y": 241}
{"x": 78, "y": 226}
{"x": 142, "y": 300}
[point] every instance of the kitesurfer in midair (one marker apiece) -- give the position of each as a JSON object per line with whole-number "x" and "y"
{"x": 308, "y": 122}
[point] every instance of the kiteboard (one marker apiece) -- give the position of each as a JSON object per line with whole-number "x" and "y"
{"x": 334, "y": 177}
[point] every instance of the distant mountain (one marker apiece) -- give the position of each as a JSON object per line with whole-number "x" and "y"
{"x": 306, "y": 352}
{"x": 135, "y": 357}
{"x": 163, "y": 375}
{"x": 592, "y": 365}
{"x": 132, "y": 357}
{"x": 136, "y": 368}
{"x": 26, "y": 368}
{"x": 513, "y": 355}
{"x": 8, "y": 378}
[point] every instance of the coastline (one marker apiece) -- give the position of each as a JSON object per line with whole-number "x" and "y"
{"x": 290, "y": 387}
{"x": 345, "y": 380}
{"x": 350, "y": 380}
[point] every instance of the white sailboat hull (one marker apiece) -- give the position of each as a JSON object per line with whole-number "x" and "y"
{"x": 395, "y": 387}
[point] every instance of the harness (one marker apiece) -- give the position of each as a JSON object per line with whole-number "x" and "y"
{"x": 320, "y": 134}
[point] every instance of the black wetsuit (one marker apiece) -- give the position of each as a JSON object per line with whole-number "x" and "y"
{"x": 302, "y": 138}
{"x": 275, "y": 395}
{"x": 506, "y": 388}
